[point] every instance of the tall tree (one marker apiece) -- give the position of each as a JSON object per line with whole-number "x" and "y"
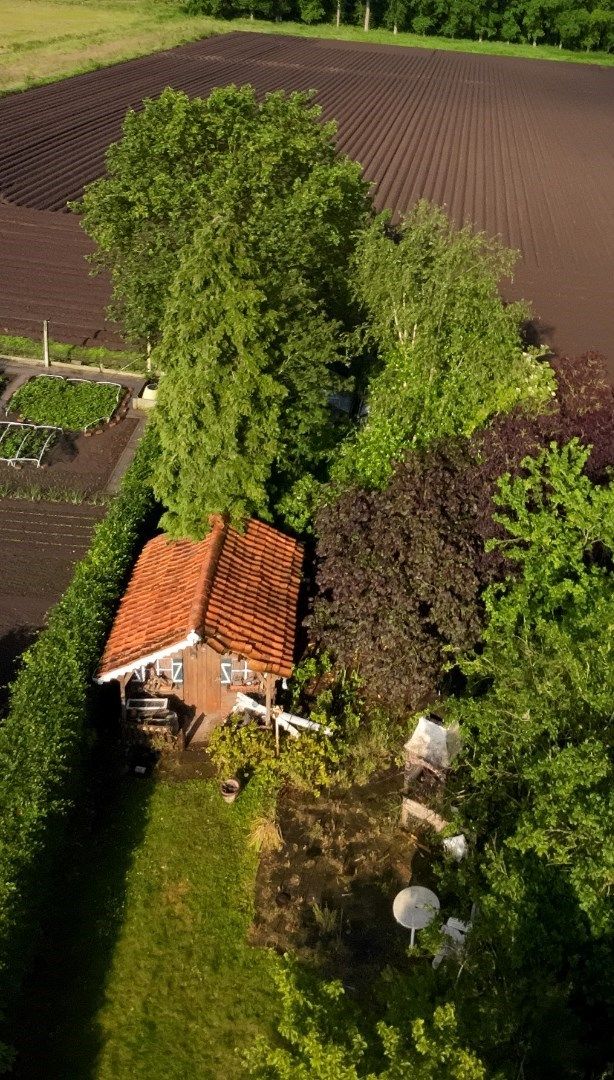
{"x": 401, "y": 572}
{"x": 252, "y": 343}
{"x": 248, "y": 358}
{"x": 450, "y": 351}
{"x": 179, "y": 157}
{"x": 535, "y": 783}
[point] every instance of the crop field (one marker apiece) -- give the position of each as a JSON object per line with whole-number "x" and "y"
{"x": 520, "y": 149}
{"x": 40, "y": 543}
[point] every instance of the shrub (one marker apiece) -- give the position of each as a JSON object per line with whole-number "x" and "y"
{"x": 241, "y": 746}
{"x": 357, "y": 745}
{"x": 401, "y": 572}
{"x": 45, "y": 736}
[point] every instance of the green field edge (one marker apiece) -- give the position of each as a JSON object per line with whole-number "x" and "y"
{"x": 203, "y": 28}
{"x": 115, "y": 360}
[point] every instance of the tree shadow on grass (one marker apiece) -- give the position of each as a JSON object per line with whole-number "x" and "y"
{"x": 55, "y": 1023}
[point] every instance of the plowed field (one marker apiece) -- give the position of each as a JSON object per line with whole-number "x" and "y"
{"x": 520, "y": 148}
{"x": 40, "y": 544}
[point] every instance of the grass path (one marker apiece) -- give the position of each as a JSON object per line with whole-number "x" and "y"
{"x": 45, "y": 40}
{"x": 148, "y": 973}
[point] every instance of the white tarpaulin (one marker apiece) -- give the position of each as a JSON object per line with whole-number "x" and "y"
{"x": 434, "y": 744}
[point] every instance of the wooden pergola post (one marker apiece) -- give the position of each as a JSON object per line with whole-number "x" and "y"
{"x": 268, "y": 689}
{"x": 46, "y": 343}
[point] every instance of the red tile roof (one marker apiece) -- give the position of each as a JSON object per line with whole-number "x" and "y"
{"x": 237, "y": 591}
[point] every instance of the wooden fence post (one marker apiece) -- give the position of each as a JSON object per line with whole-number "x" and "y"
{"x": 46, "y": 360}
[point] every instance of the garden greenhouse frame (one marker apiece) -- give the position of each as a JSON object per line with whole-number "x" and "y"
{"x": 19, "y": 456}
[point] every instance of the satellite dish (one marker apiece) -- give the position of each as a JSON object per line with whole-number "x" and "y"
{"x": 414, "y": 908}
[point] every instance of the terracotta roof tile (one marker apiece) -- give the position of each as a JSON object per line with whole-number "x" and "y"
{"x": 237, "y": 590}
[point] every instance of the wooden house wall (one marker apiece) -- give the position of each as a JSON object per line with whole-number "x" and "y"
{"x": 207, "y": 701}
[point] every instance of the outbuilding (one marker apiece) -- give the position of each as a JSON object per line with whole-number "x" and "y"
{"x": 201, "y": 620}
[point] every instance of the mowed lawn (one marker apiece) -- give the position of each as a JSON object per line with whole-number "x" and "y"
{"x": 43, "y": 40}
{"x": 149, "y": 974}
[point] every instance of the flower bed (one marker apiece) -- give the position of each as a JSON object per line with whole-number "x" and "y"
{"x": 72, "y": 404}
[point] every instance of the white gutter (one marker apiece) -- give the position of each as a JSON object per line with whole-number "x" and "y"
{"x": 192, "y": 639}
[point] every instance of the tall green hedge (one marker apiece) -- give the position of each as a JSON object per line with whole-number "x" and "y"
{"x": 46, "y": 735}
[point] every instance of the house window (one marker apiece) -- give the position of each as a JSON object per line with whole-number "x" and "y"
{"x": 170, "y": 669}
{"x": 235, "y": 672}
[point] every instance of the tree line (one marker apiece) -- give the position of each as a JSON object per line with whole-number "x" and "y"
{"x": 563, "y": 23}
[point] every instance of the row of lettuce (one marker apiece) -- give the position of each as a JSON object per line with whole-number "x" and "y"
{"x": 46, "y": 735}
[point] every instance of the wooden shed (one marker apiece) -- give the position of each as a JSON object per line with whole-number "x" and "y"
{"x": 202, "y": 619}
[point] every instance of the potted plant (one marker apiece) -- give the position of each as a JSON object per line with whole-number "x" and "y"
{"x": 229, "y": 789}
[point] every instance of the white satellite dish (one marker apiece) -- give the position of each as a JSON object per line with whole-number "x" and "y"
{"x": 414, "y": 908}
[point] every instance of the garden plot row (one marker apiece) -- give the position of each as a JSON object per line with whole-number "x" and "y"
{"x": 46, "y": 406}
{"x": 39, "y": 545}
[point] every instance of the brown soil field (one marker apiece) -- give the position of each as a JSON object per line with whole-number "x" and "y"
{"x": 519, "y": 148}
{"x": 40, "y": 543}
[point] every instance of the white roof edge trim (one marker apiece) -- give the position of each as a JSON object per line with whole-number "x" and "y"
{"x": 192, "y": 639}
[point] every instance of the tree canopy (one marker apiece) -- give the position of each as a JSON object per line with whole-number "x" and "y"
{"x": 535, "y": 784}
{"x": 401, "y": 572}
{"x": 181, "y": 161}
{"x": 450, "y": 352}
{"x": 249, "y": 295}
{"x": 570, "y": 24}
{"x": 325, "y": 1038}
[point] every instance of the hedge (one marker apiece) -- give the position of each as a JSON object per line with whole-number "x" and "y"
{"x": 46, "y": 735}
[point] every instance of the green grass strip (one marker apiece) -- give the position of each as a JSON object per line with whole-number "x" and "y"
{"x": 184, "y": 987}
{"x": 128, "y": 360}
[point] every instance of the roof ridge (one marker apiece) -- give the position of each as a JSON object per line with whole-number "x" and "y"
{"x": 202, "y": 594}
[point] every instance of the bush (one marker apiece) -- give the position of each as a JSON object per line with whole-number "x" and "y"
{"x": 355, "y": 749}
{"x": 45, "y": 736}
{"x": 242, "y": 747}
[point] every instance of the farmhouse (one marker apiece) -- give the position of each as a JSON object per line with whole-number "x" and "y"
{"x": 200, "y": 620}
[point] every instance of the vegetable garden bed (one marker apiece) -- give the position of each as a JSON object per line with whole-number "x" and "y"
{"x": 25, "y": 442}
{"x": 71, "y": 404}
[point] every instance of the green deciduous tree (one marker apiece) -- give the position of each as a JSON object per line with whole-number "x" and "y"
{"x": 325, "y": 1038}
{"x": 248, "y": 358}
{"x": 548, "y": 656}
{"x": 535, "y": 785}
{"x": 450, "y": 351}
{"x": 180, "y": 160}
{"x": 253, "y": 335}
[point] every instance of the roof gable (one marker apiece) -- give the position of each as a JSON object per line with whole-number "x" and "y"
{"x": 237, "y": 591}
